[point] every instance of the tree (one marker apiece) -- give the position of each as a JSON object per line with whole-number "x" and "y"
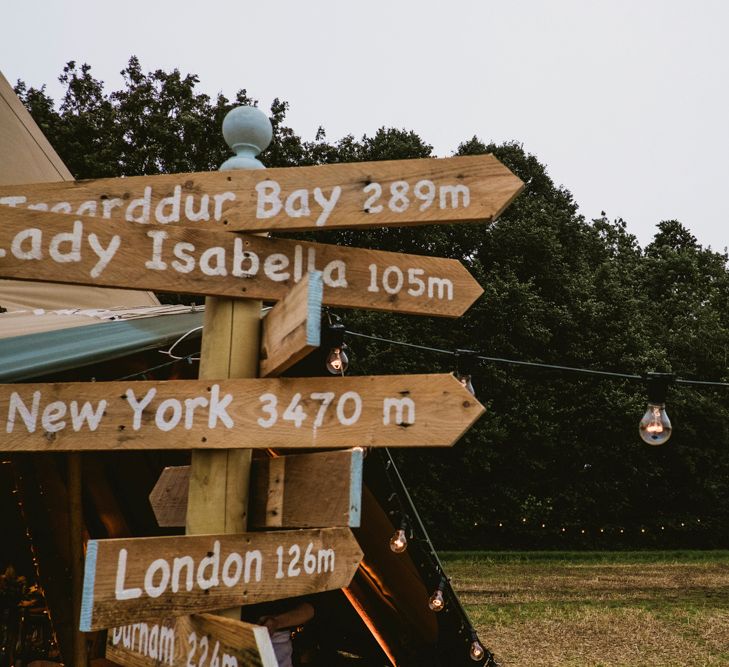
{"x": 554, "y": 448}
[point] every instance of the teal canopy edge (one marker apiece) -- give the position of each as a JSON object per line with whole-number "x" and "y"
{"x": 34, "y": 355}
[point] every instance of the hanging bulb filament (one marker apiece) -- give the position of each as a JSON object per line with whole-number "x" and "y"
{"x": 655, "y": 426}
{"x": 477, "y": 651}
{"x": 337, "y": 360}
{"x": 436, "y": 602}
{"x": 466, "y": 362}
{"x": 399, "y": 540}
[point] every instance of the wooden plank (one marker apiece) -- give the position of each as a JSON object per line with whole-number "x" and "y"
{"x": 171, "y": 642}
{"x": 61, "y": 248}
{"x": 218, "y": 498}
{"x": 323, "y": 412}
{"x": 168, "y": 498}
{"x": 136, "y": 579}
{"x": 286, "y": 492}
{"x": 474, "y": 188}
{"x": 292, "y": 328}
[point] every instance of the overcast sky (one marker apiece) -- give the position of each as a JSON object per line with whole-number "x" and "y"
{"x": 625, "y": 101}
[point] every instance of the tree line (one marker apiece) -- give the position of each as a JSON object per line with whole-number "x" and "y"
{"x": 556, "y": 460}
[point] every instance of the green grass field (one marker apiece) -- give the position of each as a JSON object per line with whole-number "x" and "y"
{"x": 584, "y": 609}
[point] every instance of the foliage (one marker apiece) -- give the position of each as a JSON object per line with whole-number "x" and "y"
{"x": 554, "y": 448}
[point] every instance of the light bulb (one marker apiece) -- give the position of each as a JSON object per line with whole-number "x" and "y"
{"x": 436, "y": 601}
{"x": 398, "y": 542}
{"x": 476, "y": 652}
{"x": 337, "y": 361}
{"x": 655, "y": 427}
{"x": 465, "y": 380}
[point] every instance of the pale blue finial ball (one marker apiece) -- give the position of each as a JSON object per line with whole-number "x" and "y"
{"x": 248, "y": 132}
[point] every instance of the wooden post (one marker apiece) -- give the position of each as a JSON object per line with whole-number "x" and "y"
{"x": 218, "y": 492}
{"x": 76, "y": 537}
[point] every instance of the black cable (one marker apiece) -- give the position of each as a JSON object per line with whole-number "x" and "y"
{"x": 155, "y": 368}
{"x": 533, "y": 364}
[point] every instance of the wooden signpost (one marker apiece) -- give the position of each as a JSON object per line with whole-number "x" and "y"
{"x": 60, "y": 248}
{"x": 202, "y": 640}
{"x": 138, "y": 579}
{"x": 322, "y": 412}
{"x": 85, "y": 233}
{"x": 363, "y": 194}
{"x": 286, "y": 492}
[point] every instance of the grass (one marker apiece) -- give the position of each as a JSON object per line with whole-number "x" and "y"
{"x": 590, "y": 609}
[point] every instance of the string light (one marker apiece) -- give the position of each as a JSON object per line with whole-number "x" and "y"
{"x": 399, "y": 540}
{"x": 337, "y": 360}
{"x": 466, "y": 362}
{"x": 476, "y": 651}
{"x": 655, "y": 426}
{"x": 436, "y": 601}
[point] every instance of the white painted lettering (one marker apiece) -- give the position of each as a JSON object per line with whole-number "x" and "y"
{"x": 327, "y": 205}
{"x": 173, "y": 203}
{"x": 181, "y": 251}
{"x": 217, "y": 408}
{"x": 34, "y": 235}
{"x": 205, "y": 581}
{"x": 274, "y": 267}
{"x": 335, "y": 274}
{"x": 219, "y": 199}
{"x": 297, "y": 204}
{"x": 52, "y": 418}
{"x": 215, "y": 254}
{"x": 87, "y": 208}
{"x": 86, "y": 414}
{"x": 164, "y": 423}
{"x": 142, "y": 204}
{"x": 29, "y": 416}
{"x": 121, "y": 593}
{"x": 269, "y": 203}
{"x": 163, "y": 567}
{"x": 177, "y": 565}
{"x": 138, "y": 406}
{"x": 74, "y": 238}
{"x": 109, "y": 205}
{"x": 399, "y": 405}
{"x": 105, "y": 255}
{"x": 202, "y": 213}
{"x": 61, "y": 207}
{"x": 13, "y": 201}
{"x": 253, "y": 557}
{"x": 240, "y": 256}
{"x": 190, "y": 405}
{"x": 158, "y": 238}
{"x": 153, "y": 645}
{"x": 229, "y": 579}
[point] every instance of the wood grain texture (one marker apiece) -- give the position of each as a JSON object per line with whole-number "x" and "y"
{"x": 136, "y": 579}
{"x": 286, "y": 492}
{"x": 234, "y": 643}
{"x": 325, "y": 412}
{"x": 292, "y": 328}
{"x": 69, "y": 249}
{"x": 229, "y": 200}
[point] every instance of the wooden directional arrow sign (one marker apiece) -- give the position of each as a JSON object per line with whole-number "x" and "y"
{"x": 60, "y": 248}
{"x": 200, "y": 639}
{"x": 292, "y": 328}
{"x": 136, "y": 579}
{"x": 336, "y": 412}
{"x": 286, "y": 491}
{"x": 365, "y": 194}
